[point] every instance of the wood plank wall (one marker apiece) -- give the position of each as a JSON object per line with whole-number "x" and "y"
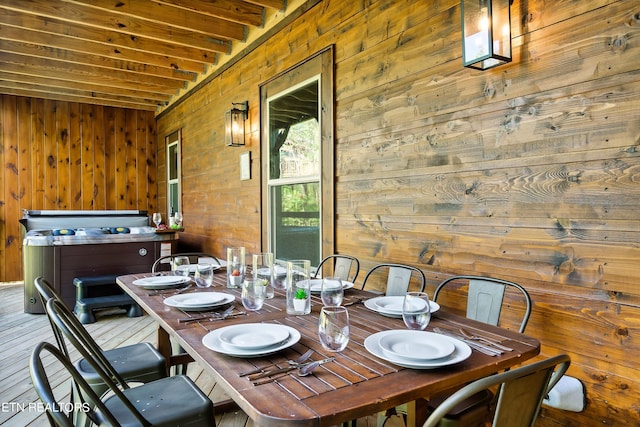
{"x": 63, "y": 155}
{"x": 528, "y": 172}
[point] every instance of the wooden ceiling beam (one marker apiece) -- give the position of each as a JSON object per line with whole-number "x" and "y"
{"x": 272, "y": 4}
{"x": 101, "y": 19}
{"x": 78, "y": 99}
{"x": 74, "y": 37}
{"x": 231, "y": 10}
{"x": 85, "y": 94}
{"x": 71, "y": 57}
{"x": 60, "y": 85}
{"x": 137, "y": 14}
{"x": 45, "y": 70}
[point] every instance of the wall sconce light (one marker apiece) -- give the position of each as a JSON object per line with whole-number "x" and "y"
{"x": 234, "y": 124}
{"x": 486, "y": 33}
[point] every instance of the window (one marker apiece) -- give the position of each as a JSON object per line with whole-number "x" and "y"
{"x": 174, "y": 192}
{"x": 297, "y": 153}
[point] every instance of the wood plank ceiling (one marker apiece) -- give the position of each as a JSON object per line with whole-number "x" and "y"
{"x": 137, "y": 54}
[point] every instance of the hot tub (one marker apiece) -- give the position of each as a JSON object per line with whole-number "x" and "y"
{"x": 61, "y": 245}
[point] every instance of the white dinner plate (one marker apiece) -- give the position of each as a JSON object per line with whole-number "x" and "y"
{"x": 462, "y": 352}
{"x": 416, "y": 345}
{"x": 212, "y": 341}
{"x": 254, "y": 336}
{"x": 391, "y": 306}
{"x": 199, "y": 301}
{"x": 161, "y": 282}
{"x": 315, "y": 285}
{"x": 279, "y": 270}
{"x": 191, "y": 268}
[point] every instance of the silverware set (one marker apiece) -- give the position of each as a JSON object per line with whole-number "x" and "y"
{"x": 488, "y": 347}
{"x": 303, "y": 370}
{"x": 303, "y": 358}
{"x": 172, "y": 291}
{"x": 209, "y": 317}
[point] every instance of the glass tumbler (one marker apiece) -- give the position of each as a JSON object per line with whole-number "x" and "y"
{"x": 416, "y": 311}
{"x": 298, "y": 287}
{"x": 264, "y": 270}
{"x": 253, "y": 294}
{"x": 333, "y": 328}
{"x": 236, "y": 266}
{"x": 332, "y": 292}
{"x": 203, "y": 275}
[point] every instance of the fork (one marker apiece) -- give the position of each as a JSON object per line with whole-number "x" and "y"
{"x": 303, "y": 358}
{"x": 475, "y": 337}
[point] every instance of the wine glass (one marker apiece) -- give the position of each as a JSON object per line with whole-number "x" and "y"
{"x": 157, "y": 218}
{"x": 416, "y": 311}
{"x": 332, "y": 292}
{"x": 333, "y": 328}
{"x": 253, "y": 294}
{"x": 203, "y": 275}
{"x": 177, "y": 219}
{"x": 181, "y": 265}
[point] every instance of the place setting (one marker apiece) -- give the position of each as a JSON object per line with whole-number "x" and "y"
{"x": 414, "y": 347}
{"x": 391, "y": 306}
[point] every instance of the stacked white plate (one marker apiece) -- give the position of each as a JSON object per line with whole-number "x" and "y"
{"x": 191, "y": 268}
{"x": 315, "y": 285}
{"x": 251, "y": 339}
{"x": 417, "y": 349}
{"x": 391, "y": 306}
{"x": 199, "y": 301}
{"x": 161, "y": 282}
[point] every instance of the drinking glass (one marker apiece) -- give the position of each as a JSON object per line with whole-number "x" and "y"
{"x": 181, "y": 265}
{"x": 157, "y": 218}
{"x": 416, "y": 312}
{"x": 333, "y": 328}
{"x": 332, "y": 292}
{"x": 204, "y": 275}
{"x": 236, "y": 266}
{"x": 298, "y": 287}
{"x": 177, "y": 219}
{"x": 253, "y": 294}
{"x": 264, "y": 269}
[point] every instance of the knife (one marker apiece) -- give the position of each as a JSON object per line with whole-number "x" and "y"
{"x": 287, "y": 369}
{"x": 489, "y": 351}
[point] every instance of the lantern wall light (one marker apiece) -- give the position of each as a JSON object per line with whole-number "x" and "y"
{"x": 234, "y": 124}
{"x": 486, "y": 33}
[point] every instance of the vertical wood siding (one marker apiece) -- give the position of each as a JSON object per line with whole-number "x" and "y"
{"x": 527, "y": 172}
{"x": 62, "y": 155}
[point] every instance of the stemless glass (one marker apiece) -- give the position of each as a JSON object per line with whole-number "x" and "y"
{"x": 253, "y": 294}
{"x": 298, "y": 287}
{"x": 236, "y": 266}
{"x": 177, "y": 219}
{"x": 157, "y": 218}
{"x": 332, "y": 292}
{"x": 416, "y": 311}
{"x": 333, "y": 328}
{"x": 264, "y": 269}
{"x": 181, "y": 265}
{"x": 204, "y": 275}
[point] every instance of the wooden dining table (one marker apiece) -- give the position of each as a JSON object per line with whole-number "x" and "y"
{"x": 356, "y": 384}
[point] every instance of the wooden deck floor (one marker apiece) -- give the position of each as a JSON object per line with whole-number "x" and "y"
{"x": 20, "y": 332}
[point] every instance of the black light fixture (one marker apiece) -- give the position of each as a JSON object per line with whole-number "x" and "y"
{"x": 486, "y": 33}
{"x": 234, "y": 124}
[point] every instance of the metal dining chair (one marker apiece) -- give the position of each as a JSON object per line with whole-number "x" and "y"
{"x": 484, "y": 302}
{"x": 398, "y": 278}
{"x": 343, "y": 266}
{"x": 139, "y": 362}
{"x": 174, "y": 400}
{"x": 520, "y": 394}
{"x": 122, "y": 407}
{"x": 165, "y": 261}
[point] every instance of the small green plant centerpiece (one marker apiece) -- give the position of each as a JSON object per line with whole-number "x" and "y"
{"x": 300, "y": 300}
